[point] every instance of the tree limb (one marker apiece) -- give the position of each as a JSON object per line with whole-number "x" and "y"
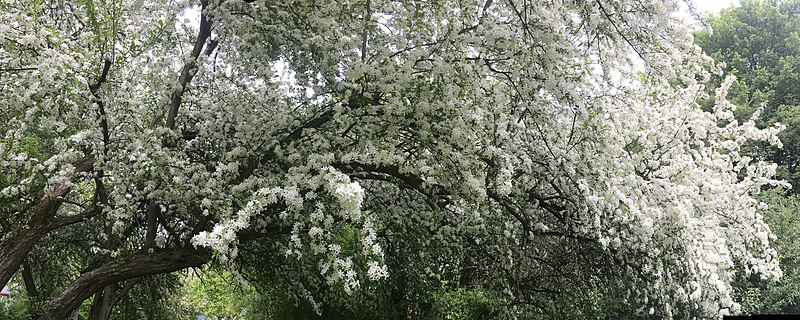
{"x": 134, "y": 266}
{"x": 190, "y": 68}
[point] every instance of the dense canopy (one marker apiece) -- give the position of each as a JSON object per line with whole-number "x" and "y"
{"x": 550, "y": 153}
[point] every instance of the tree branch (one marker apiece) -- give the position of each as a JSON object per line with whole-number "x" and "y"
{"x": 15, "y": 249}
{"x": 18, "y": 69}
{"x": 435, "y": 192}
{"x": 190, "y": 68}
{"x": 134, "y": 266}
{"x": 103, "y": 77}
{"x": 65, "y": 221}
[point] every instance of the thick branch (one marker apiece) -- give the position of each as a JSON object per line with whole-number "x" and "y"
{"x": 15, "y": 249}
{"x": 101, "y": 108}
{"x": 18, "y": 69}
{"x": 187, "y": 73}
{"x": 103, "y": 302}
{"x": 103, "y": 77}
{"x": 365, "y": 36}
{"x": 134, "y": 266}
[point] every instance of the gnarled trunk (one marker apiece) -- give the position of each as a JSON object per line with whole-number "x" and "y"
{"x": 15, "y": 249}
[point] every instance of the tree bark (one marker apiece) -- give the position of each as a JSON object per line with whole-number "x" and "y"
{"x": 27, "y": 278}
{"x": 103, "y": 303}
{"x": 190, "y": 68}
{"x": 15, "y": 249}
{"x": 30, "y": 289}
{"x": 152, "y": 225}
{"x": 134, "y": 266}
{"x": 105, "y": 299}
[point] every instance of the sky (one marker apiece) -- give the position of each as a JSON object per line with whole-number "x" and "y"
{"x": 704, "y": 7}
{"x": 714, "y": 6}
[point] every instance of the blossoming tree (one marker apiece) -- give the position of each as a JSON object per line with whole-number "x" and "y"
{"x": 542, "y": 145}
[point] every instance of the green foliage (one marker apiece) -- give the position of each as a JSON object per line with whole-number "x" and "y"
{"x": 103, "y": 20}
{"x": 753, "y": 41}
{"x": 268, "y": 303}
{"x": 216, "y": 294}
{"x": 160, "y": 297}
{"x": 465, "y": 304}
{"x": 15, "y": 308}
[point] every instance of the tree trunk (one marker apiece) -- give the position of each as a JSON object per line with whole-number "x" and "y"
{"x": 15, "y": 249}
{"x": 134, "y": 266}
{"x": 30, "y": 288}
{"x": 27, "y": 278}
{"x": 104, "y": 299}
{"x": 109, "y": 299}
{"x": 152, "y": 224}
{"x": 103, "y": 303}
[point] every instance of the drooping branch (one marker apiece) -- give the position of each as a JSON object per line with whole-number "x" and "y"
{"x": 253, "y": 163}
{"x": 134, "y": 266}
{"x": 356, "y": 101}
{"x": 73, "y": 219}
